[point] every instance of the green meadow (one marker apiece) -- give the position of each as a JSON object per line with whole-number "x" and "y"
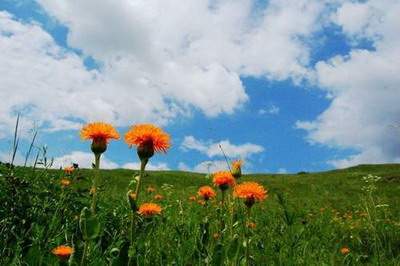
{"x": 340, "y": 217}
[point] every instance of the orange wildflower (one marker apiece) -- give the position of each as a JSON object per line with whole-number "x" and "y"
{"x": 345, "y": 250}
{"x": 251, "y": 225}
{"x": 149, "y": 209}
{"x": 158, "y": 197}
{"x": 132, "y": 195}
{"x": 100, "y": 133}
{"x": 65, "y": 182}
{"x": 151, "y": 189}
{"x": 192, "y": 198}
{"x": 237, "y": 168}
{"x": 250, "y": 192}
{"x": 223, "y": 179}
{"x": 148, "y": 138}
{"x": 69, "y": 170}
{"x": 201, "y": 202}
{"x": 63, "y": 252}
{"x": 206, "y": 192}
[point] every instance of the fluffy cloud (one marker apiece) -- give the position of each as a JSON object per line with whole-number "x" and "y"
{"x": 271, "y": 110}
{"x": 211, "y": 166}
{"x": 149, "y": 166}
{"x": 364, "y": 86}
{"x": 85, "y": 160}
{"x": 158, "y": 59}
{"x": 212, "y": 149}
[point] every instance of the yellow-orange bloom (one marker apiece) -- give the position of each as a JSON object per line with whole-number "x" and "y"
{"x": 345, "y": 250}
{"x": 158, "y": 197}
{"x": 149, "y": 209}
{"x": 223, "y": 179}
{"x": 63, "y": 252}
{"x": 192, "y": 198}
{"x": 65, "y": 182}
{"x": 251, "y": 225}
{"x": 251, "y": 192}
{"x": 69, "y": 169}
{"x": 237, "y": 164}
{"x": 143, "y": 135}
{"x": 206, "y": 192}
{"x": 151, "y": 189}
{"x": 99, "y": 131}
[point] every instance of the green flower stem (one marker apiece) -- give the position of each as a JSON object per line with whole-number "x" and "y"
{"x": 138, "y": 184}
{"x": 143, "y": 163}
{"x": 94, "y": 181}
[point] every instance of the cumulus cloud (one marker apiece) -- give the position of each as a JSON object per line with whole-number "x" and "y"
{"x": 85, "y": 160}
{"x": 211, "y": 166}
{"x": 158, "y": 59}
{"x": 149, "y": 166}
{"x": 212, "y": 149}
{"x": 364, "y": 86}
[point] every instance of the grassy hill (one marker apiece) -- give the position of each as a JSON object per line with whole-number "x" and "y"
{"x": 331, "y": 218}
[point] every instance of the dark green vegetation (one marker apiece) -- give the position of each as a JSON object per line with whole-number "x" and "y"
{"x": 306, "y": 219}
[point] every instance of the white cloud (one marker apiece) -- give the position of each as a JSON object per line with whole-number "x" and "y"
{"x": 271, "y": 110}
{"x": 282, "y": 171}
{"x": 84, "y": 159}
{"x": 149, "y": 166}
{"x": 183, "y": 167}
{"x": 364, "y": 86}
{"x": 158, "y": 58}
{"x": 211, "y": 166}
{"x": 212, "y": 149}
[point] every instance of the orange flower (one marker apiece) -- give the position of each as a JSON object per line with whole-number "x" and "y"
{"x": 148, "y": 138}
{"x": 149, "y": 209}
{"x": 69, "y": 170}
{"x": 192, "y": 198}
{"x": 345, "y": 250}
{"x": 65, "y": 182}
{"x": 251, "y": 225}
{"x": 201, "y": 202}
{"x": 158, "y": 197}
{"x": 151, "y": 189}
{"x": 206, "y": 192}
{"x": 251, "y": 192}
{"x": 99, "y": 131}
{"x": 237, "y": 168}
{"x": 223, "y": 179}
{"x": 63, "y": 252}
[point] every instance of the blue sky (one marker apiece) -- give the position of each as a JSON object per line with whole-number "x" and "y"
{"x": 287, "y": 102}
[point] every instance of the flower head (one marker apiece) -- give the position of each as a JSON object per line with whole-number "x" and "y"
{"x": 149, "y": 209}
{"x": 151, "y": 189}
{"x": 65, "y": 182}
{"x": 237, "y": 168}
{"x": 250, "y": 192}
{"x": 251, "y": 225}
{"x": 206, "y": 192}
{"x": 223, "y": 179}
{"x": 69, "y": 170}
{"x": 158, "y": 197}
{"x": 148, "y": 139}
{"x": 100, "y": 133}
{"x": 345, "y": 250}
{"x": 63, "y": 252}
{"x": 192, "y": 198}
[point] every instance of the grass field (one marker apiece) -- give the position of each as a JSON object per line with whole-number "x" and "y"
{"x": 327, "y": 218}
